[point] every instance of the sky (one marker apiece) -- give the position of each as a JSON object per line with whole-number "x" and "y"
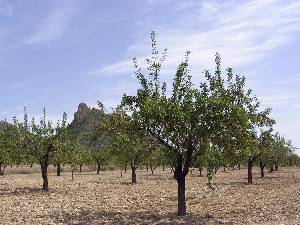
{"x": 58, "y": 53}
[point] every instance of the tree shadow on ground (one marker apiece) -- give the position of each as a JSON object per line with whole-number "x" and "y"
{"x": 231, "y": 183}
{"x": 157, "y": 177}
{"x": 271, "y": 177}
{"x": 130, "y": 218}
{"x": 22, "y": 191}
{"x": 151, "y": 175}
{"x": 127, "y": 183}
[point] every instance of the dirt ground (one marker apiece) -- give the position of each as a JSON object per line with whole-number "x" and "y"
{"x": 109, "y": 199}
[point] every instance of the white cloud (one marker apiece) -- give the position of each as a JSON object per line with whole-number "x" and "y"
{"x": 209, "y": 8}
{"x": 52, "y": 27}
{"x": 243, "y": 34}
{"x": 277, "y": 100}
{"x": 114, "y": 69}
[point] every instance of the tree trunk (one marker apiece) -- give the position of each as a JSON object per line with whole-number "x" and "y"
{"x": 191, "y": 171}
{"x": 276, "y": 167}
{"x": 44, "y": 168}
{"x": 233, "y": 167}
{"x": 271, "y": 169}
{"x": 1, "y": 171}
{"x": 98, "y": 167}
{"x": 133, "y": 174}
{"x": 147, "y": 168}
{"x": 290, "y": 162}
{"x": 180, "y": 174}
{"x": 239, "y": 166}
{"x": 58, "y": 169}
{"x": 181, "y": 196}
{"x": 250, "y": 166}
{"x": 125, "y": 168}
{"x": 44, "y": 161}
{"x": 80, "y": 168}
{"x": 262, "y": 166}
{"x": 152, "y": 168}
{"x": 163, "y": 167}
{"x": 121, "y": 172}
{"x": 73, "y": 168}
{"x": 200, "y": 171}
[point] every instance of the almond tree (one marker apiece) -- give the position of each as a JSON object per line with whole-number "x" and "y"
{"x": 182, "y": 118}
{"x": 8, "y": 144}
{"x": 264, "y": 146}
{"x": 279, "y": 151}
{"x": 41, "y": 141}
{"x": 129, "y": 143}
{"x": 213, "y": 161}
{"x": 155, "y": 156}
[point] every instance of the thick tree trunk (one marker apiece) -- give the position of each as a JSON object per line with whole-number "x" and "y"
{"x": 98, "y": 167}
{"x": 262, "y": 167}
{"x": 239, "y": 166}
{"x": 276, "y": 167}
{"x": 181, "y": 196}
{"x": 44, "y": 162}
{"x": 44, "y": 168}
{"x": 250, "y": 166}
{"x": 80, "y": 168}
{"x": 163, "y": 167}
{"x": 180, "y": 174}
{"x": 133, "y": 174}
{"x": 1, "y": 170}
{"x": 58, "y": 169}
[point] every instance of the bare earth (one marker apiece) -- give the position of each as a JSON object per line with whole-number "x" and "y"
{"x": 109, "y": 199}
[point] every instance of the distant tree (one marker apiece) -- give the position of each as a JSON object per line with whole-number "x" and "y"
{"x": 279, "y": 152}
{"x": 8, "y": 144}
{"x": 199, "y": 157}
{"x": 63, "y": 145}
{"x": 75, "y": 153}
{"x": 129, "y": 143}
{"x": 93, "y": 138}
{"x": 155, "y": 156}
{"x": 264, "y": 146}
{"x": 41, "y": 142}
{"x": 293, "y": 160}
{"x": 214, "y": 159}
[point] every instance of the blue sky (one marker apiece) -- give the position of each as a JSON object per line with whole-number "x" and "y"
{"x": 59, "y": 53}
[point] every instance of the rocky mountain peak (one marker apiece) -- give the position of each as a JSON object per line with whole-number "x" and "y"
{"x": 82, "y": 112}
